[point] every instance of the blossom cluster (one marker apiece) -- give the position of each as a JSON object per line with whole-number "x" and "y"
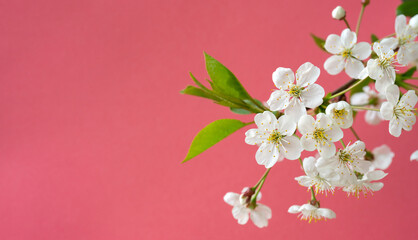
{"x": 302, "y": 118}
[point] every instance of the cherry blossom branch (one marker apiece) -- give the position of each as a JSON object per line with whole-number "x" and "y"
{"x": 348, "y": 89}
{"x": 365, "y": 108}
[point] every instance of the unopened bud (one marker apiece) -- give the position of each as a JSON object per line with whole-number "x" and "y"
{"x": 365, "y": 2}
{"x": 246, "y": 194}
{"x": 414, "y": 22}
{"x": 338, "y": 13}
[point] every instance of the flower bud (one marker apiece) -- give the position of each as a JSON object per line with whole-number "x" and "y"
{"x": 414, "y": 22}
{"x": 365, "y": 2}
{"x": 338, "y": 13}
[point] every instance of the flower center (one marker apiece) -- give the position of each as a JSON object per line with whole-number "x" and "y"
{"x": 275, "y": 137}
{"x": 345, "y": 157}
{"x": 319, "y": 134}
{"x": 401, "y": 111}
{"x": 359, "y": 175}
{"x": 385, "y": 61}
{"x": 340, "y": 113}
{"x": 374, "y": 101}
{"x": 346, "y": 53}
{"x": 295, "y": 91}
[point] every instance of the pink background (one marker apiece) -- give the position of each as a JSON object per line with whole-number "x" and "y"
{"x": 93, "y": 128}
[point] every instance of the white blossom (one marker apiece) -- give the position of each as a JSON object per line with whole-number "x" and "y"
{"x": 371, "y": 99}
{"x": 295, "y": 96}
{"x": 382, "y": 68}
{"x": 348, "y": 160}
{"x": 275, "y": 138}
{"x": 320, "y": 178}
{"x": 348, "y": 54}
{"x": 405, "y": 36}
{"x": 309, "y": 212}
{"x": 414, "y": 156}
{"x": 341, "y": 114}
{"x": 320, "y": 134}
{"x": 242, "y": 211}
{"x": 382, "y": 157}
{"x": 399, "y": 113}
{"x": 364, "y": 183}
{"x": 338, "y": 13}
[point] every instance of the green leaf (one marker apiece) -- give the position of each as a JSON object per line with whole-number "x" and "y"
{"x": 223, "y": 80}
{"x": 319, "y": 41}
{"x": 408, "y": 8}
{"x": 240, "y": 111}
{"x": 409, "y": 72}
{"x": 191, "y": 90}
{"x": 212, "y": 134}
{"x": 359, "y": 88}
{"x": 374, "y": 38}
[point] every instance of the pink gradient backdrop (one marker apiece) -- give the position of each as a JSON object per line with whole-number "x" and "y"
{"x": 93, "y": 127}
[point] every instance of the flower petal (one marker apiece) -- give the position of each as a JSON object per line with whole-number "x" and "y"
{"x": 327, "y": 213}
{"x": 307, "y": 143}
{"x": 373, "y": 117}
{"x": 306, "y": 124}
{"x": 241, "y": 213}
{"x": 286, "y": 125}
{"x": 291, "y": 146}
{"x": 360, "y": 98}
{"x": 334, "y": 64}
{"x": 387, "y": 110}
{"x": 382, "y": 157}
{"x": 376, "y": 175}
{"x": 392, "y": 94}
{"x": 408, "y": 100}
{"x": 400, "y": 24}
{"x": 312, "y": 96}
{"x": 296, "y": 109}
{"x": 391, "y": 43}
{"x": 348, "y": 38}
{"x": 260, "y": 215}
{"x": 361, "y": 50}
{"x": 333, "y": 44}
{"x": 414, "y": 156}
{"x": 283, "y": 77}
{"x": 265, "y": 121}
{"x": 326, "y": 150}
{"x": 307, "y": 74}
{"x": 395, "y": 128}
{"x": 267, "y": 155}
{"x": 278, "y": 100}
{"x": 294, "y": 209}
{"x": 252, "y": 136}
{"x": 353, "y": 68}
{"x": 231, "y": 198}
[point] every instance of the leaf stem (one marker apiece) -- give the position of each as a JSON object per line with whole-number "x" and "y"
{"x": 363, "y": 6}
{"x": 342, "y": 143}
{"x": 354, "y": 133}
{"x": 259, "y": 185}
{"x": 262, "y": 178}
{"x": 346, "y": 23}
{"x": 313, "y": 195}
